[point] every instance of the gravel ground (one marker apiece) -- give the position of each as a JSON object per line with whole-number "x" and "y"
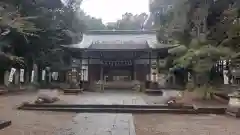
{"x": 30, "y": 122}
{"x": 167, "y": 124}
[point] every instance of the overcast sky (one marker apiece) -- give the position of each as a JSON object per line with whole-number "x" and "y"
{"x": 112, "y": 10}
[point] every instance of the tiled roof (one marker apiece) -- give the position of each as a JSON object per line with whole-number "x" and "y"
{"x": 118, "y": 40}
{"x": 120, "y": 32}
{"x": 127, "y": 41}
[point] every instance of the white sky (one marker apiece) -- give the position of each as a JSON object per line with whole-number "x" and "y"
{"x": 112, "y": 10}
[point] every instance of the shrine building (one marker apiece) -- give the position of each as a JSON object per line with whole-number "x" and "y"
{"x": 117, "y": 59}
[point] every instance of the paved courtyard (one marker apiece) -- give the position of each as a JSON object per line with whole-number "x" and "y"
{"x": 57, "y": 123}
{"x": 104, "y": 123}
{"x": 86, "y": 124}
{"x": 111, "y": 97}
{"x": 100, "y": 124}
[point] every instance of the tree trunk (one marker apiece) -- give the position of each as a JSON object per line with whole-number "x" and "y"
{"x": 6, "y": 77}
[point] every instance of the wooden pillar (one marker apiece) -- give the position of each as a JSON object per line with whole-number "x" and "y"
{"x": 134, "y": 66}
{"x": 150, "y": 65}
{"x": 101, "y": 78}
{"x": 87, "y": 72}
{"x": 134, "y": 70}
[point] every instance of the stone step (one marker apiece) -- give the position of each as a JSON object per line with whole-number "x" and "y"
{"x": 125, "y": 108}
{"x": 114, "y": 110}
{"x": 154, "y": 92}
{"x": 72, "y": 91}
{"x": 163, "y": 106}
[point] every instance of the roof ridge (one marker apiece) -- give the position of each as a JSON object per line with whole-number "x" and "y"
{"x": 119, "y": 32}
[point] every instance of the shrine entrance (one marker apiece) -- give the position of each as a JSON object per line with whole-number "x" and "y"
{"x": 118, "y": 74}
{"x": 118, "y": 71}
{"x": 119, "y": 59}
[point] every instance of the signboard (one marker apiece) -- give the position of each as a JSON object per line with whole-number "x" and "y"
{"x": 32, "y": 77}
{"x": 76, "y": 62}
{"x": 13, "y": 70}
{"x": 117, "y": 63}
{"x": 43, "y": 75}
{"x": 55, "y": 75}
{"x": 21, "y": 75}
{"x": 162, "y": 63}
{"x": 154, "y": 63}
{"x": 225, "y": 77}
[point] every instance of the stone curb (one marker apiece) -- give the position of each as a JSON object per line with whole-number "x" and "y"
{"x": 125, "y": 109}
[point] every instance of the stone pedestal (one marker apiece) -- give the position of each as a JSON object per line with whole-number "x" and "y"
{"x": 153, "y": 85}
{"x": 234, "y": 104}
{"x": 234, "y": 101}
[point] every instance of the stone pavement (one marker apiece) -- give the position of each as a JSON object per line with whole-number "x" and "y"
{"x": 104, "y": 123}
{"x": 109, "y": 98}
{"x": 100, "y": 124}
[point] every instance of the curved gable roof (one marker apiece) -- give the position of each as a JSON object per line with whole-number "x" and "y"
{"x": 117, "y": 41}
